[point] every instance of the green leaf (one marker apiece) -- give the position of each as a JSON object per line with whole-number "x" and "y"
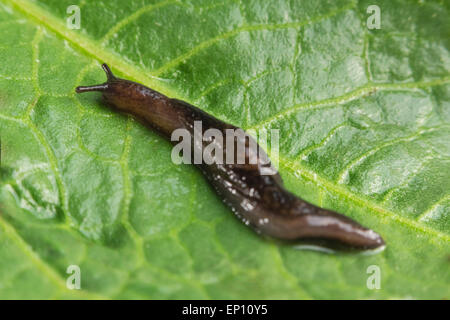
{"x": 364, "y": 119}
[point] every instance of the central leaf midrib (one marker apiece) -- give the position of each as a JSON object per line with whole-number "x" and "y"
{"x": 92, "y": 49}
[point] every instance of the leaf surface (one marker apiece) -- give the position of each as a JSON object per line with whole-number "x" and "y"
{"x": 364, "y": 120}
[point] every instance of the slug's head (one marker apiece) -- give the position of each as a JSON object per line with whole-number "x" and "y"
{"x": 122, "y": 94}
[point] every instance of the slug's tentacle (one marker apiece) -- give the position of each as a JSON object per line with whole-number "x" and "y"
{"x": 100, "y": 87}
{"x": 260, "y": 200}
{"x": 110, "y": 76}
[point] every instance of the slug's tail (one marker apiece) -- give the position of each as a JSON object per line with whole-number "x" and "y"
{"x": 337, "y": 231}
{"x": 300, "y": 222}
{"x": 346, "y": 232}
{"x": 99, "y": 87}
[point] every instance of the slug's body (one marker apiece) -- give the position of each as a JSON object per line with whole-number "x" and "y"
{"x": 260, "y": 200}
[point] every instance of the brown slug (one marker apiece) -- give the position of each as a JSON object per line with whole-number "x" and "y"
{"x": 260, "y": 200}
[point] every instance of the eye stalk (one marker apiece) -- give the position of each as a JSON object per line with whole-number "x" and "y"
{"x": 108, "y": 72}
{"x": 99, "y": 87}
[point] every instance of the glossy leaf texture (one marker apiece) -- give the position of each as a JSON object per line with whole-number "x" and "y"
{"x": 364, "y": 120}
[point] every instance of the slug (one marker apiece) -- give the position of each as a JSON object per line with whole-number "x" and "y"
{"x": 259, "y": 200}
